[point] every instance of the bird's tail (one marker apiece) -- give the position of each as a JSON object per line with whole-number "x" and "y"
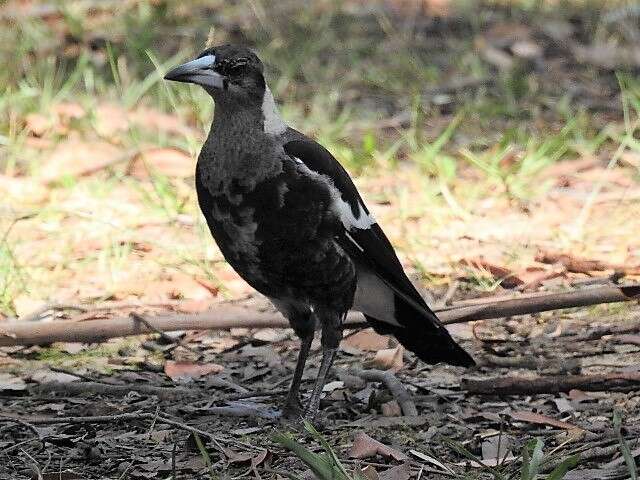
{"x": 422, "y": 333}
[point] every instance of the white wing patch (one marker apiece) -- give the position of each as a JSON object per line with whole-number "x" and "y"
{"x": 341, "y": 208}
{"x": 273, "y": 123}
{"x": 348, "y": 219}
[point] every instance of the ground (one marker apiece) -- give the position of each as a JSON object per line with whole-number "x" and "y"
{"x": 496, "y": 143}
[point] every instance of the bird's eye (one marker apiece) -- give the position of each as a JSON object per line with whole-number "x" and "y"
{"x": 237, "y": 68}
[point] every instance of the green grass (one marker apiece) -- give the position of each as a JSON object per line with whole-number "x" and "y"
{"x": 530, "y": 464}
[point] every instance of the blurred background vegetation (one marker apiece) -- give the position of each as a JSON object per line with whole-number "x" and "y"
{"x": 459, "y": 117}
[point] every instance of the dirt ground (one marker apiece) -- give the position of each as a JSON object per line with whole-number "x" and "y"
{"x": 236, "y": 409}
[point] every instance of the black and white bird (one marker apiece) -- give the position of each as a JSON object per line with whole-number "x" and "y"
{"x": 288, "y": 218}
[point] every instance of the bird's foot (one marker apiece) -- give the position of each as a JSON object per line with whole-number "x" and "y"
{"x": 292, "y": 411}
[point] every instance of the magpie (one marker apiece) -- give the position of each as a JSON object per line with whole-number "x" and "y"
{"x": 289, "y": 219}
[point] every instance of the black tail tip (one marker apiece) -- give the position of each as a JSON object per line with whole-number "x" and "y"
{"x": 461, "y": 359}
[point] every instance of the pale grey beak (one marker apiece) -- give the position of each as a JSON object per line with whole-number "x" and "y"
{"x": 199, "y": 71}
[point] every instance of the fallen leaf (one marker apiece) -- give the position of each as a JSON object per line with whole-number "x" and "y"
{"x": 390, "y": 358}
{"x": 77, "y": 158}
{"x": 507, "y": 277}
{"x": 391, "y": 409}
{"x": 48, "y": 376}
{"x": 69, "y": 111}
{"x": 366, "y": 447}
{"x": 369, "y": 473}
{"x": 580, "y": 396}
{"x": 11, "y": 383}
{"x": 154, "y": 119}
{"x": 170, "y": 162}
{"x": 238, "y": 457}
{"x": 177, "y": 286}
{"x": 259, "y": 458}
{"x": 563, "y": 405}
{"x": 212, "y": 287}
{"x": 496, "y": 447}
{"x": 526, "y": 49}
{"x": 399, "y": 472}
{"x": 538, "y": 418}
{"x": 175, "y": 370}
{"x": 25, "y": 305}
{"x": 367, "y": 340}
{"x": 627, "y": 339}
{"x": 582, "y": 265}
{"x": 430, "y": 459}
{"x": 110, "y": 119}
{"x": 37, "y": 124}
{"x": 269, "y": 335}
{"x": 331, "y": 386}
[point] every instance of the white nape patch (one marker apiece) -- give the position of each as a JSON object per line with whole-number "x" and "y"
{"x": 341, "y": 208}
{"x": 273, "y": 123}
{"x": 373, "y": 297}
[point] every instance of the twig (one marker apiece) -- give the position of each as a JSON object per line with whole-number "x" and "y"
{"x": 541, "y": 303}
{"x": 78, "y": 388}
{"x": 15, "y": 446}
{"x": 243, "y": 411}
{"x": 620, "y": 382}
{"x": 531, "y": 363}
{"x": 115, "y": 418}
{"x": 79, "y": 420}
{"x": 245, "y": 395}
{"x": 228, "y": 316}
{"x": 167, "y": 339}
{"x": 402, "y": 396}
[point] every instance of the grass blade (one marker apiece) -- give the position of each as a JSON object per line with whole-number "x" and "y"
{"x": 624, "y": 447}
{"x": 561, "y": 470}
{"x": 322, "y": 466}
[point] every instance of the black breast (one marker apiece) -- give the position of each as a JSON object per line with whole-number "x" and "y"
{"x": 279, "y": 236}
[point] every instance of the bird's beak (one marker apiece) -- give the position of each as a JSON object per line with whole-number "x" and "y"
{"x": 199, "y": 71}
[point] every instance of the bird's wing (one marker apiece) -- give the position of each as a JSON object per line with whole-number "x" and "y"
{"x": 360, "y": 229}
{"x": 409, "y": 318}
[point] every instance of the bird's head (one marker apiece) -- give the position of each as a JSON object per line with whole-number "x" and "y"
{"x": 228, "y": 73}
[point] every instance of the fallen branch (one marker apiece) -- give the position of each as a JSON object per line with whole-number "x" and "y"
{"x": 530, "y": 363}
{"x": 402, "y": 396}
{"x": 79, "y": 388}
{"x": 225, "y": 316}
{"x": 619, "y": 382}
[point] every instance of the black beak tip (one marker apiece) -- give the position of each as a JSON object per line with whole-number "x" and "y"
{"x": 170, "y": 75}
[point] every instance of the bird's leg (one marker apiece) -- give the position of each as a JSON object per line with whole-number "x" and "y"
{"x": 331, "y": 336}
{"x": 292, "y": 403}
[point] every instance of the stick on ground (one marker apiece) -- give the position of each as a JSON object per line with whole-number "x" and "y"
{"x": 402, "y": 396}
{"x": 620, "y": 382}
{"x": 225, "y": 316}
